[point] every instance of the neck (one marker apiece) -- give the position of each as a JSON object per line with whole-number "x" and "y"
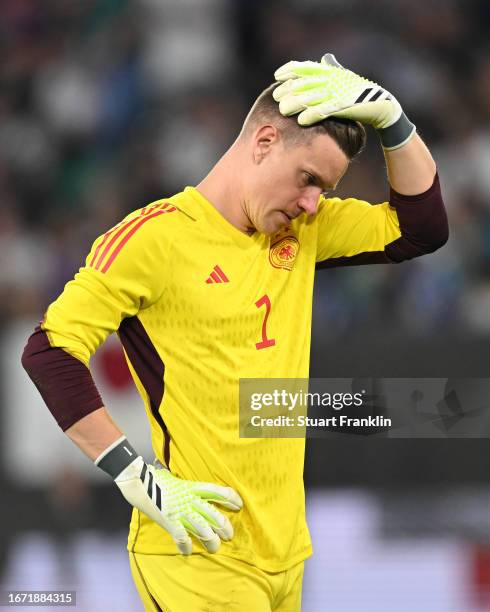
{"x": 223, "y": 188}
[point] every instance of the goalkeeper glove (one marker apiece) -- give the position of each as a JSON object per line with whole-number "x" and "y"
{"x": 181, "y": 507}
{"x": 318, "y": 90}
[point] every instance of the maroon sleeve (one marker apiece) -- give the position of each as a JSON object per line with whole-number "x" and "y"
{"x": 423, "y": 226}
{"x": 423, "y": 223}
{"x": 64, "y": 382}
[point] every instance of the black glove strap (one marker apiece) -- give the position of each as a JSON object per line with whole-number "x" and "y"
{"x": 114, "y": 460}
{"x": 397, "y": 134}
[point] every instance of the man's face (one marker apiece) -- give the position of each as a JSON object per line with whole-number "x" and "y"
{"x": 289, "y": 179}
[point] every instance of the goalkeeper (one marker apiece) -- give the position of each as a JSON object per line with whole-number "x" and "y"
{"x": 215, "y": 284}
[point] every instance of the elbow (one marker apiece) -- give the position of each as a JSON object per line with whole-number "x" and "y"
{"x": 423, "y": 224}
{"x": 29, "y": 354}
{"x": 407, "y": 247}
{"x": 438, "y": 239}
{"x": 26, "y": 361}
{"x": 434, "y": 235}
{"x": 64, "y": 382}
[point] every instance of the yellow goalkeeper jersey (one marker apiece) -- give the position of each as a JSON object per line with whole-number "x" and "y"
{"x": 198, "y": 305}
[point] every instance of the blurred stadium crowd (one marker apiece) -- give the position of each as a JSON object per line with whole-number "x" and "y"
{"x": 106, "y": 105}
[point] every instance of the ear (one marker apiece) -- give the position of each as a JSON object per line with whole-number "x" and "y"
{"x": 264, "y": 139}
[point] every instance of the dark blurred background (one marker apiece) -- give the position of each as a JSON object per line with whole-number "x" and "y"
{"x": 106, "y": 105}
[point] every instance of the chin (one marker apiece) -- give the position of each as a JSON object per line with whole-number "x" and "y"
{"x": 270, "y": 227}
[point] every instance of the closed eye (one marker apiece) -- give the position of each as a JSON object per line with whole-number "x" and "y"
{"x": 312, "y": 179}
{"x": 309, "y": 179}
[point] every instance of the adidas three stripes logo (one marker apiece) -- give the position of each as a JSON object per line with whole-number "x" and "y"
{"x": 154, "y": 492}
{"x": 371, "y": 94}
{"x": 217, "y": 276}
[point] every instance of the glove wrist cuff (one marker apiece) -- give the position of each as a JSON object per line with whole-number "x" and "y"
{"x": 116, "y": 457}
{"x": 396, "y": 135}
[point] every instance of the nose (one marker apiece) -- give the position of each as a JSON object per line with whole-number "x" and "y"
{"x": 309, "y": 203}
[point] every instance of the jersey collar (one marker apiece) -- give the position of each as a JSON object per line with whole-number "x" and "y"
{"x": 201, "y": 206}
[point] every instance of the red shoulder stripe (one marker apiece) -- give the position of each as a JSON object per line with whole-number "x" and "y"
{"x": 115, "y": 252}
{"x": 102, "y": 242}
{"x": 110, "y": 237}
{"x": 113, "y": 240}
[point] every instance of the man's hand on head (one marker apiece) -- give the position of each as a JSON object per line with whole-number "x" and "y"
{"x": 318, "y": 90}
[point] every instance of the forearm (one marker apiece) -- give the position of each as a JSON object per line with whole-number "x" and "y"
{"x": 411, "y": 168}
{"x": 67, "y": 387}
{"x": 94, "y": 433}
{"x": 65, "y": 383}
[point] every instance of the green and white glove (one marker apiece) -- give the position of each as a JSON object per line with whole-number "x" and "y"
{"x": 181, "y": 507}
{"x": 317, "y": 90}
